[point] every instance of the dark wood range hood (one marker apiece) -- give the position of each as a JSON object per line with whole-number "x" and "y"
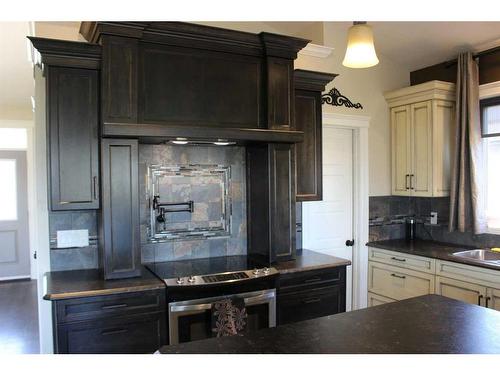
{"x": 162, "y": 80}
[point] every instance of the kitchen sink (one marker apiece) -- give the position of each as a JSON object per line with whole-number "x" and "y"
{"x": 480, "y": 255}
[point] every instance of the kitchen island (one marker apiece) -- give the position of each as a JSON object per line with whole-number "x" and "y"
{"x": 421, "y": 325}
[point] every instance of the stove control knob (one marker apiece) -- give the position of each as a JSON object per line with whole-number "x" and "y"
{"x": 179, "y": 281}
{"x": 191, "y": 279}
{"x": 256, "y": 271}
{"x": 266, "y": 270}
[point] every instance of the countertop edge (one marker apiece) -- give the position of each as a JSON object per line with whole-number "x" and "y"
{"x": 312, "y": 268}
{"x": 100, "y": 292}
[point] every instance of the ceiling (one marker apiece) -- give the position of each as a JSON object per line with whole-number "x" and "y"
{"x": 413, "y": 45}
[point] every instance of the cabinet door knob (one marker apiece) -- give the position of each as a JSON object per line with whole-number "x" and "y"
{"x": 349, "y": 242}
{"x": 406, "y": 181}
{"x": 479, "y": 298}
{"x": 411, "y": 182}
{"x": 487, "y": 301}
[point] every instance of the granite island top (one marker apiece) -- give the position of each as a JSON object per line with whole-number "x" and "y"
{"x": 431, "y": 249}
{"x": 421, "y": 325}
{"x": 90, "y": 282}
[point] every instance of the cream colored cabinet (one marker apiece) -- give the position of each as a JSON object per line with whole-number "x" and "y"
{"x": 393, "y": 276}
{"x": 492, "y": 299}
{"x": 375, "y": 299}
{"x": 461, "y": 290}
{"x": 398, "y": 283}
{"x": 422, "y": 131}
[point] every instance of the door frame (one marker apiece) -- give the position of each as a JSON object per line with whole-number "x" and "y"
{"x": 360, "y": 182}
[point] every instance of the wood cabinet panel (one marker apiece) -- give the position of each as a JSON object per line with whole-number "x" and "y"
{"x": 412, "y": 262}
{"x": 400, "y": 129}
{"x": 421, "y": 149}
{"x": 443, "y": 132}
{"x": 73, "y": 138}
{"x": 398, "y": 283}
{"x": 309, "y": 153}
{"x": 376, "y": 300}
{"x": 460, "y": 290}
{"x": 120, "y": 240}
{"x": 493, "y": 298}
{"x": 119, "y": 79}
{"x": 271, "y": 201}
{"x": 185, "y": 86}
{"x": 310, "y": 304}
{"x": 134, "y": 334}
{"x": 280, "y": 93}
{"x": 77, "y": 309}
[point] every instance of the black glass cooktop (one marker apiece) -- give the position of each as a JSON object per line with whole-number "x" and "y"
{"x": 204, "y": 266}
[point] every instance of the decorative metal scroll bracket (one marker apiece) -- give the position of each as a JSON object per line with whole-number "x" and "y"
{"x": 335, "y": 98}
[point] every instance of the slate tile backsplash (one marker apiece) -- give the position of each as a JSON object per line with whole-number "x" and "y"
{"x": 388, "y": 214}
{"x": 73, "y": 258}
{"x": 233, "y": 156}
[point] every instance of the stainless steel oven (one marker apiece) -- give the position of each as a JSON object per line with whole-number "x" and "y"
{"x": 192, "y": 320}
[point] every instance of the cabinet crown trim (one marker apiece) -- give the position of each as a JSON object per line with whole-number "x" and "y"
{"x": 311, "y": 80}
{"x": 55, "y": 52}
{"x": 198, "y": 36}
{"x": 425, "y": 91}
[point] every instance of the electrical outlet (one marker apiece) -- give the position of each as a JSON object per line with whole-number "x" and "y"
{"x": 434, "y": 218}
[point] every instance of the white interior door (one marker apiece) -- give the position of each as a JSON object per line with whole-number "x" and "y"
{"x": 14, "y": 236}
{"x": 328, "y": 224}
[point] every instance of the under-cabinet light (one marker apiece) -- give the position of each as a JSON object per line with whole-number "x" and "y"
{"x": 180, "y": 141}
{"x": 223, "y": 142}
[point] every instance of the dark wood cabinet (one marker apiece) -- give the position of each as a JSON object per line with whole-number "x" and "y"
{"x": 308, "y": 119}
{"x": 119, "y": 79}
{"x": 311, "y": 294}
{"x": 280, "y": 104}
{"x": 73, "y": 125}
{"x": 119, "y": 234}
{"x": 271, "y": 201}
{"x": 199, "y": 88}
{"x": 127, "y": 323}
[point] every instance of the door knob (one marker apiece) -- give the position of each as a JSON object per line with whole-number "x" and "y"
{"x": 349, "y": 243}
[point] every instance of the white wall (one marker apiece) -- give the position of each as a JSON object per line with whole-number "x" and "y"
{"x": 367, "y": 87}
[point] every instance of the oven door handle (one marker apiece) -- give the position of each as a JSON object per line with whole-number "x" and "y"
{"x": 249, "y": 301}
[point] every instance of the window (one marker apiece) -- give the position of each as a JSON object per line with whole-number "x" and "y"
{"x": 13, "y": 139}
{"x": 490, "y": 125}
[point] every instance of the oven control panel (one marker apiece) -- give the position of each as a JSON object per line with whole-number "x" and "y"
{"x": 221, "y": 278}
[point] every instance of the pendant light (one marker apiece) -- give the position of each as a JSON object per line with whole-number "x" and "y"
{"x": 360, "y": 51}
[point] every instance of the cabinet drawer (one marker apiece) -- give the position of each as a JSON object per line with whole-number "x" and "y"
{"x": 411, "y": 262}
{"x": 77, "y": 309}
{"x": 295, "y": 307}
{"x": 143, "y": 333}
{"x": 460, "y": 290}
{"x": 375, "y": 299}
{"x": 464, "y": 272}
{"x": 312, "y": 279}
{"x": 398, "y": 283}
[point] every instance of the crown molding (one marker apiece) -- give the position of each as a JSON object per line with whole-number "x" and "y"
{"x": 316, "y": 50}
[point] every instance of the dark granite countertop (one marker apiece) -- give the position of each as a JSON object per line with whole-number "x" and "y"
{"x": 307, "y": 260}
{"x": 426, "y": 324}
{"x": 89, "y": 283}
{"x": 430, "y": 249}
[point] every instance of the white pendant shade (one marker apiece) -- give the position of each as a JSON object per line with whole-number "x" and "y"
{"x": 360, "y": 51}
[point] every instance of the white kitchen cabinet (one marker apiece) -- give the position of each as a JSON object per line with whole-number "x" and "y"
{"x": 393, "y": 276}
{"x": 422, "y": 131}
{"x": 461, "y": 290}
{"x": 375, "y": 299}
{"x": 398, "y": 283}
{"x": 493, "y": 298}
